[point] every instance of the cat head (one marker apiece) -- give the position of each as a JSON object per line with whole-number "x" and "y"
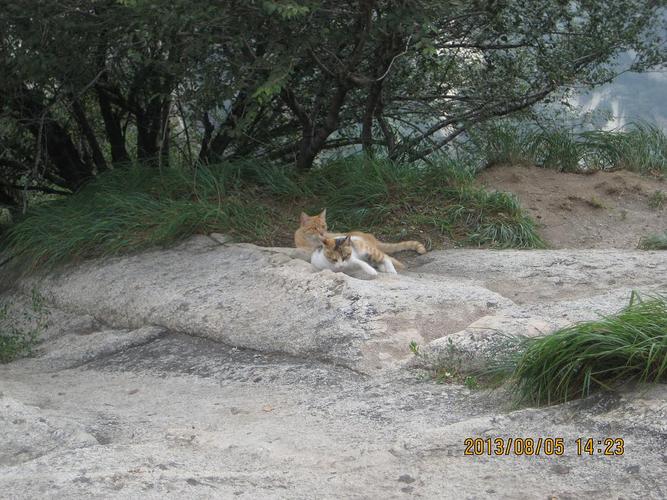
{"x": 337, "y": 250}
{"x": 314, "y": 226}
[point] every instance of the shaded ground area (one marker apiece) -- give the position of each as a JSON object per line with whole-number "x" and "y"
{"x": 184, "y": 417}
{"x": 598, "y": 210}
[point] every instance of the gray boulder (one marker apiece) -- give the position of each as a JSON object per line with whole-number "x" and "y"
{"x": 272, "y": 300}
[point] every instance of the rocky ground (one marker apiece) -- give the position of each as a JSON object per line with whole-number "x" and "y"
{"x": 224, "y": 370}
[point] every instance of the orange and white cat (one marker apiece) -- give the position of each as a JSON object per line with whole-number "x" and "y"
{"x": 311, "y": 227}
{"x": 350, "y": 253}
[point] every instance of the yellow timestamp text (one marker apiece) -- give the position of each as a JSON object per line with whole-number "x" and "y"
{"x": 549, "y": 446}
{"x": 606, "y": 446}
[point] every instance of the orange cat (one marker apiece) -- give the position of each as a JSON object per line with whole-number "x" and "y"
{"x": 307, "y": 237}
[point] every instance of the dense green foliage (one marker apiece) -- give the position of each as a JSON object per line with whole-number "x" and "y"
{"x": 91, "y": 84}
{"x": 575, "y": 361}
{"x": 136, "y": 208}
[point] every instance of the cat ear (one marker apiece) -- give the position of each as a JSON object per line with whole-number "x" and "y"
{"x": 328, "y": 242}
{"x": 304, "y": 218}
{"x": 347, "y": 240}
{"x": 323, "y": 214}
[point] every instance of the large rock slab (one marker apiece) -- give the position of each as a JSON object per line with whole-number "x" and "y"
{"x": 264, "y": 299}
{"x": 550, "y": 289}
{"x": 548, "y": 276}
{"x": 271, "y": 299}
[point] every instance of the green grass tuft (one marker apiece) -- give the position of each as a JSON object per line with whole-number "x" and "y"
{"x": 575, "y": 361}
{"x": 654, "y": 242}
{"x": 137, "y": 208}
{"x": 106, "y": 222}
{"x": 640, "y": 147}
{"x": 494, "y": 219}
{"x": 394, "y": 200}
{"x": 133, "y": 209}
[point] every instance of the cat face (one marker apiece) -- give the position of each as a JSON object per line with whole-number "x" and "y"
{"x": 337, "y": 250}
{"x": 314, "y": 226}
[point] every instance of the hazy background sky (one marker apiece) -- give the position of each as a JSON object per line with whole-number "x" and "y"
{"x": 631, "y": 97}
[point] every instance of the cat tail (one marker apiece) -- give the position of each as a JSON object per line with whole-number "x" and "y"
{"x": 397, "y": 263}
{"x": 389, "y": 248}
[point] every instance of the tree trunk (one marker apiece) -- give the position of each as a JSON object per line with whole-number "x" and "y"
{"x": 313, "y": 139}
{"x": 223, "y": 138}
{"x": 62, "y": 152}
{"x": 54, "y": 140}
{"x": 367, "y": 119}
{"x": 206, "y": 140}
{"x": 89, "y": 134}
{"x": 164, "y": 138}
{"x": 147, "y": 136}
{"x": 113, "y": 129}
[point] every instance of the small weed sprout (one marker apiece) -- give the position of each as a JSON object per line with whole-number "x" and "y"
{"x": 471, "y": 383}
{"x": 19, "y": 335}
{"x": 654, "y": 242}
{"x": 595, "y": 202}
{"x": 657, "y": 200}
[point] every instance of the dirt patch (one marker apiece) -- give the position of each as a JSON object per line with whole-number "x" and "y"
{"x": 598, "y": 210}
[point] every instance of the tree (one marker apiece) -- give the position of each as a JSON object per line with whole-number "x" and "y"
{"x": 95, "y": 84}
{"x": 411, "y": 76}
{"x": 88, "y": 82}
